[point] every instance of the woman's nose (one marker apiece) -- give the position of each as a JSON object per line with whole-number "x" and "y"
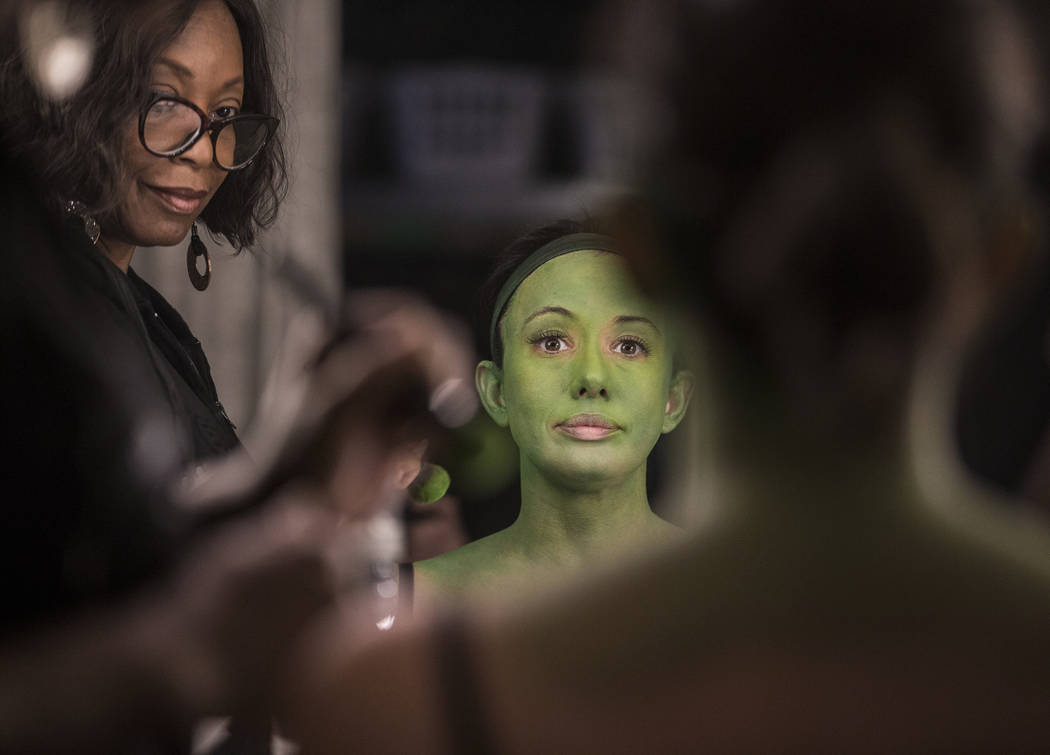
{"x": 201, "y": 153}
{"x": 590, "y": 379}
{"x": 592, "y": 390}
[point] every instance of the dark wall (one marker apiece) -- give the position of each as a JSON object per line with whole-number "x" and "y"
{"x": 535, "y": 32}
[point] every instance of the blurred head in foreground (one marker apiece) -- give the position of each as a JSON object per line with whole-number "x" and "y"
{"x": 826, "y": 180}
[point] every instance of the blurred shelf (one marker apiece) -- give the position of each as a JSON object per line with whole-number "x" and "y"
{"x": 409, "y": 219}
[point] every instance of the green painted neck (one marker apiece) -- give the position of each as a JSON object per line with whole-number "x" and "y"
{"x": 564, "y": 522}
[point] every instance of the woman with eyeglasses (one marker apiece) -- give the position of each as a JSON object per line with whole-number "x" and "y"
{"x": 175, "y": 129}
{"x": 119, "y": 627}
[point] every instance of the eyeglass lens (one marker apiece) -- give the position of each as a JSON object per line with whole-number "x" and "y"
{"x": 169, "y": 126}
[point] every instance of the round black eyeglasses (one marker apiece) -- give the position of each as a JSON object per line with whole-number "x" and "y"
{"x": 170, "y": 126}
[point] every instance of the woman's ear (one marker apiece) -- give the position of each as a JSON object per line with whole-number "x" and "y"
{"x": 488, "y": 378}
{"x": 678, "y": 399}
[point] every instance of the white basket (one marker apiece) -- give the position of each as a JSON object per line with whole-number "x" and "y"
{"x": 467, "y": 124}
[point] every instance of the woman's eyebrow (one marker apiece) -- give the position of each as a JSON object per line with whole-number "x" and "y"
{"x": 545, "y": 310}
{"x": 181, "y": 70}
{"x": 185, "y": 73}
{"x": 232, "y": 83}
{"x": 636, "y": 318}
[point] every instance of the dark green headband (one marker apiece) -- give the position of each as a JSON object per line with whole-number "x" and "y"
{"x": 574, "y": 242}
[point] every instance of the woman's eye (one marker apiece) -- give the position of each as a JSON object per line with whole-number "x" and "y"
{"x": 549, "y": 343}
{"x": 553, "y": 344}
{"x": 630, "y": 347}
{"x": 227, "y": 111}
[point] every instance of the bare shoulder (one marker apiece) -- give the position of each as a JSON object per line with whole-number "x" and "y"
{"x": 465, "y": 569}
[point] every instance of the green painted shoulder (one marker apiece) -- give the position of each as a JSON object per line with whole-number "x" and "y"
{"x": 465, "y": 568}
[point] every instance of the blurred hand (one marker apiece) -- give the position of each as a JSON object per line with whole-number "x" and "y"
{"x": 405, "y": 373}
{"x": 353, "y": 424}
{"x": 397, "y": 374}
{"x": 352, "y": 433}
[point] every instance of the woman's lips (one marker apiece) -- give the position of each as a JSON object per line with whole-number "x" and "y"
{"x": 588, "y": 427}
{"x": 179, "y": 200}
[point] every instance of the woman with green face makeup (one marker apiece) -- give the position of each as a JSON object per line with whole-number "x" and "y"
{"x": 583, "y": 374}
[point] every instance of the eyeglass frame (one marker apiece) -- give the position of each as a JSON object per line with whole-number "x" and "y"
{"x": 211, "y": 126}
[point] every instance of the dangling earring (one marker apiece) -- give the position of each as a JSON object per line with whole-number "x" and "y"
{"x": 91, "y": 227}
{"x": 197, "y": 249}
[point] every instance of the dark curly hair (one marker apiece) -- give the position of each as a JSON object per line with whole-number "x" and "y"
{"x": 75, "y": 145}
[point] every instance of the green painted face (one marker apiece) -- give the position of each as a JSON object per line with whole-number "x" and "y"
{"x": 587, "y": 384}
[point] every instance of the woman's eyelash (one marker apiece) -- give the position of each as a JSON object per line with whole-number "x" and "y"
{"x": 635, "y": 340}
{"x": 545, "y": 335}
